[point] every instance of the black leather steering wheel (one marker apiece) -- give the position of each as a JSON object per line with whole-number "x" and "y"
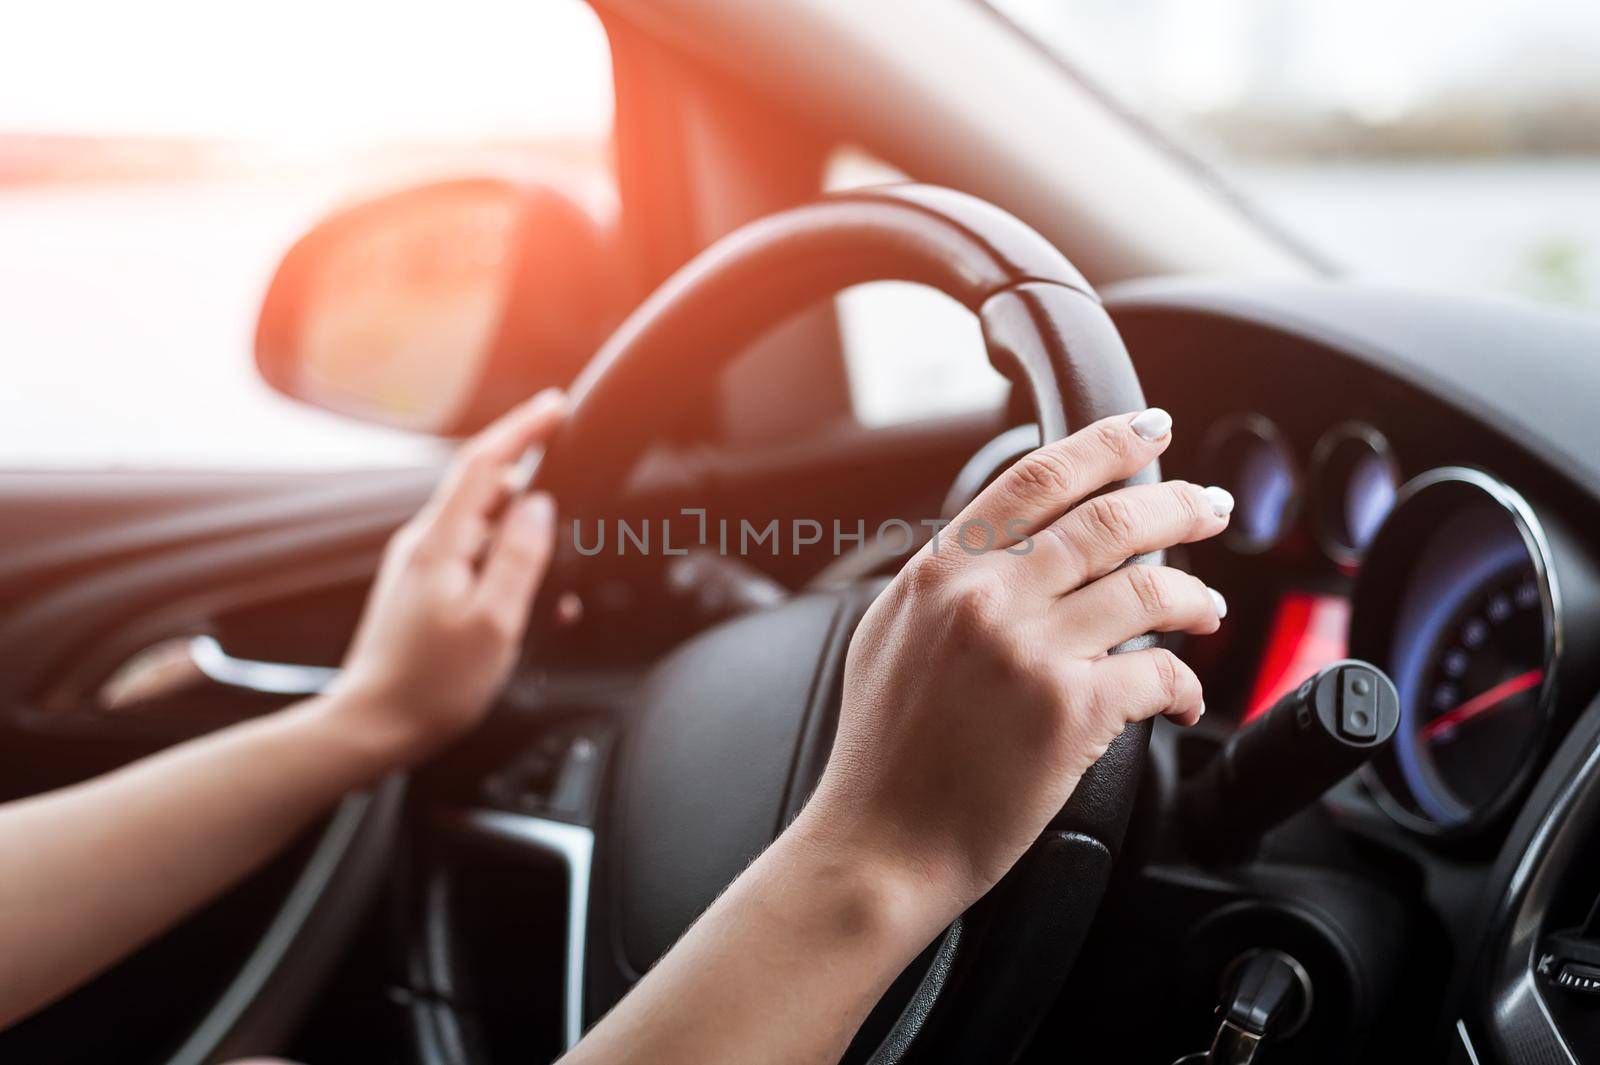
{"x": 734, "y": 727}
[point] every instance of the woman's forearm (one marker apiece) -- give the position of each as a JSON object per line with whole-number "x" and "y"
{"x": 90, "y": 872}
{"x": 787, "y": 963}
{"x": 977, "y": 691}
{"x": 94, "y": 870}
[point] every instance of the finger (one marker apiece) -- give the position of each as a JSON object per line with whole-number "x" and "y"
{"x": 1142, "y": 684}
{"x": 1136, "y": 600}
{"x": 1041, "y": 485}
{"x": 476, "y": 483}
{"x": 518, "y": 559}
{"x": 1102, "y": 533}
{"x": 478, "y": 475}
{"x": 507, "y": 437}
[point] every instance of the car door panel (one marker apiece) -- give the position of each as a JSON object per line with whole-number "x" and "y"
{"x": 87, "y": 560}
{"x": 94, "y": 567}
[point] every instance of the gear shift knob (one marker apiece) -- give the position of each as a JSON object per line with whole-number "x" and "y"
{"x": 1285, "y": 759}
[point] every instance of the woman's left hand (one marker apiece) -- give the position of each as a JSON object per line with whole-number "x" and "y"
{"x": 444, "y": 623}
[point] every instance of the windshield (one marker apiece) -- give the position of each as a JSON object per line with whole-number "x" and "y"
{"x": 1431, "y": 141}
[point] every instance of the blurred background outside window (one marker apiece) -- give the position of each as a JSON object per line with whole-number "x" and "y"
{"x": 1449, "y": 143}
{"x": 1444, "y": 143}
{"x": 158, "y": 157}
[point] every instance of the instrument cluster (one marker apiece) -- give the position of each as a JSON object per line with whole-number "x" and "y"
{"x": 1445, "y": 581}
{"x": 1345, "y": 492}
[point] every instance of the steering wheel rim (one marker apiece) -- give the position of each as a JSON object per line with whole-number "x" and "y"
{"x": 1045, "y": 328}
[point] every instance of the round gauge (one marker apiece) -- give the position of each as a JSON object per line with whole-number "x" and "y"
{"x": 1356, "y": 480}
{"x": 1247, "y": 455}
{"x": 1457, "y": 602}
{"x": 1477, "y": 698}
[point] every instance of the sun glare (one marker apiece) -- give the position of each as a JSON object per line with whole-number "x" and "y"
{"x": 305, "y": 74}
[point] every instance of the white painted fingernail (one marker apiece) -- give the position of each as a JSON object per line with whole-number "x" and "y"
{"x": 1221, "y": 501}
{"x": 550, "y": 397}
{"x": 1202, "y": 708}
{"x": 1152, "y": 424}
{"x": 1220, "y": 603}
{"x": 517, "y": 478}
{"x": 538, "y": 510}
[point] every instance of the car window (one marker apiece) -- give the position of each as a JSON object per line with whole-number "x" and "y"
{"x": 1429, "y": 141}
{"x": 156, "y": 160}
{"x": 910, "y": 352}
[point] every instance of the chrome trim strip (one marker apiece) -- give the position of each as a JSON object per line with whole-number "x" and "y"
{"x": 266, "y": 678}
{"x": 1466, "y": 1043}
{"x": 356, "y": 818}
{"x": 574, "y": 845}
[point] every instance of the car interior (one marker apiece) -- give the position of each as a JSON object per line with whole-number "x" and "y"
{"x": 1383, "y": 873}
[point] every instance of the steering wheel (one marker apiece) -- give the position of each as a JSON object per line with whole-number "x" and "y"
{"x": 734, "y": 726}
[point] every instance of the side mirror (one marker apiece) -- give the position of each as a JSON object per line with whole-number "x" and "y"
{"x": 436, "y": 308}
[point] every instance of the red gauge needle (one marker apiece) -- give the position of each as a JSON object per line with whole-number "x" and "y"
{"x": 1483, "y": 702}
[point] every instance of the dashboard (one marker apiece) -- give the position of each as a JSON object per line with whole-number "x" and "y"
{"x": 1410, "y": 496}
{"x": 1446, "y": 581}
{"x": 1415, "y": 479}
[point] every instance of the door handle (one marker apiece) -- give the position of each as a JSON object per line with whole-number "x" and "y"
{"x": 172, "y": 666}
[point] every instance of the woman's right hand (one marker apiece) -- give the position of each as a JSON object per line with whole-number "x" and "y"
{"x": 978, "y": 688}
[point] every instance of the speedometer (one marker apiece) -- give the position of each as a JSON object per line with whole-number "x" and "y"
{"x": 1457, "y": 601}
{"x": 1477, "y": 698}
